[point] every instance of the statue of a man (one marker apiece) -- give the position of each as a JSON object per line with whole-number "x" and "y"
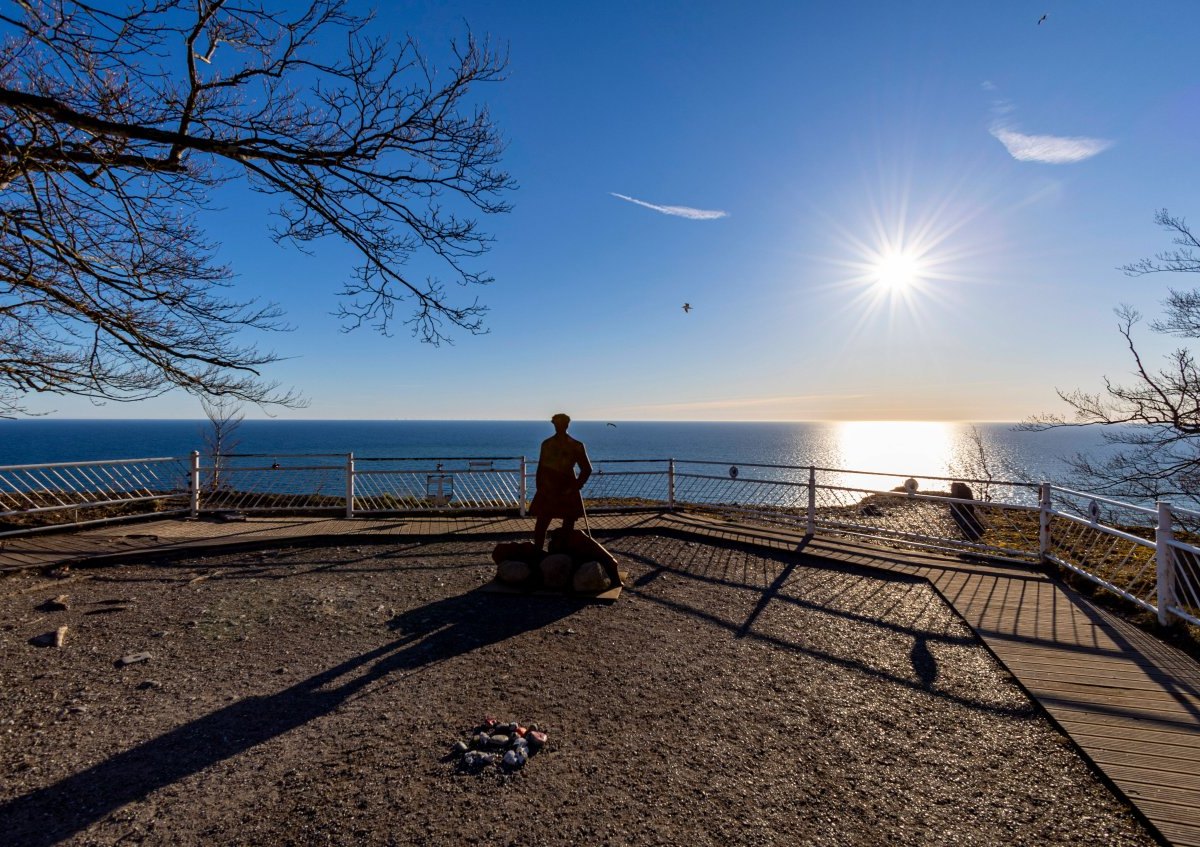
{"x": 558, "y": 487}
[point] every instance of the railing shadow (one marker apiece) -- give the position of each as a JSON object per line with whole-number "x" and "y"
{"x": 1177, "y": 673}
{"x": 925, "y": 669}
{"x": 429, "y": 634}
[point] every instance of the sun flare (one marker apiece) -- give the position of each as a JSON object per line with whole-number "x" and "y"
{"x": 896, "y": 271}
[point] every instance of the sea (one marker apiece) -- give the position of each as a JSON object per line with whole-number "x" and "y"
{"x": 896, "y": 449}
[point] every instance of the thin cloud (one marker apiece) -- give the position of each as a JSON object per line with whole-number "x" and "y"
{"x": 1049, "y": 149}
{"x": 678, "y": 211}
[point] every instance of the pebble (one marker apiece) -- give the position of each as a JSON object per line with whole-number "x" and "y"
{"x": 481, "y": 740}
{"x": 459, "y": 748}
{"x": 515, "y": 758}
{"x": 132, "y": 659}
{"x": 535, "y": 739}
{"x": 499, "y": 740}
{"x": 473, "y": 759}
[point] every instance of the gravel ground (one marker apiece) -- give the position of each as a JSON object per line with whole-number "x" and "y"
{"x": 731, "y": 696}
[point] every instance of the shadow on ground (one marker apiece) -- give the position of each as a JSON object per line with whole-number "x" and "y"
{"x": 723, "y": 566}
{"x": 428, "y": 634}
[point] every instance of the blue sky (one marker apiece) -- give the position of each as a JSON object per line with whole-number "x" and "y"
{"x": 1018, "y": 164}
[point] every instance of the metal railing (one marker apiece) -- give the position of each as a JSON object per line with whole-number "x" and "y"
{"x": 477, "y": 484}
{"x": 59, "y": 494}
{"x": 1147, "y": 555}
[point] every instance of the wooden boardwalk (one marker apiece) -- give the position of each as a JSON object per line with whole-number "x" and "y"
{"x": 1129, "y": 702}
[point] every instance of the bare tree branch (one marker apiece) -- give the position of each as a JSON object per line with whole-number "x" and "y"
{"x": 116, "y": 124}
{"x": 1155, "y": 419}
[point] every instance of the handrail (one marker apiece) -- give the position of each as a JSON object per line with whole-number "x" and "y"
{"x": 1099, "y": 498}
{"x": 89, "y": 463}
{"x": 1006, "y": 482}
{"x": 359, "y": 458}
{"x": 275, "y": 455}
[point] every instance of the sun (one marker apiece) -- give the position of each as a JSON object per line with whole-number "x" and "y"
{"x": 897, "y": 270}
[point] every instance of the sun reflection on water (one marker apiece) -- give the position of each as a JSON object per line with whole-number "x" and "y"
{"x": 901, "y": 448}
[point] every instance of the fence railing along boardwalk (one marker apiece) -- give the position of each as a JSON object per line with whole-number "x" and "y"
{"x": 1141, "y": 553}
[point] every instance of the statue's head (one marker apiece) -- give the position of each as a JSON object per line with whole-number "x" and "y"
{"x": 561, "y": 422}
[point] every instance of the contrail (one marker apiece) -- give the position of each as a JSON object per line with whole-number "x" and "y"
{"x": 678, "y": 211}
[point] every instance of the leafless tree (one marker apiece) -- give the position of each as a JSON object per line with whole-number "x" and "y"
{"x": 976, "y": 463}
{"x": 1155, "y": 418}
{"x": 225, "y": 416}
{"x": 118, "y": 122}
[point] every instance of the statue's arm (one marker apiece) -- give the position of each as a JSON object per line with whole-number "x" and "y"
{"x": 585, "y": 466}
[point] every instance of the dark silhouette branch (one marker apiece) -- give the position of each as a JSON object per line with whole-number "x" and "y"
{"x": 1154, "y": 420}
{"x": 115, "y": 127}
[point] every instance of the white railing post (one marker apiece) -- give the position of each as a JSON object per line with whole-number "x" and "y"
{"x": 811, "y": 529}
{"x": 1164, "y": 557}
{"x": 670, "y": 483}
{"x": 1044, "y": 508}
{"x": 349, "y": 485}
{"x": 194, "y": 484}
{"x": 521, "y": 495}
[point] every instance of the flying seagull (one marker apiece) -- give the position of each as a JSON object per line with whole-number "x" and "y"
{"x": 610, "y": 423}
{"x": 687, "y": 307}
{"x": 1042, "y": 18}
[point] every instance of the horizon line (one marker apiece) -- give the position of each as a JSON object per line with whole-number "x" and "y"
{"x": 201, "y": 420}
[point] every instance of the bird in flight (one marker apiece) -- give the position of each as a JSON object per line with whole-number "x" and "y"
{"x": 610, "y": 423}
{"x": 1042, "y": 18}
{"x": 687, "y": 307}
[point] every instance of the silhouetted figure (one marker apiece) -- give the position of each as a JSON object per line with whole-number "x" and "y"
{"x": 964, "y": 513}
{"x": 557, "y": 494}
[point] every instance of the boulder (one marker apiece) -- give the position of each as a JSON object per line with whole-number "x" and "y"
{"x": 521, "y": 551}
{"x": 513, "y": 571}
{"x": 583, "y": 548}
{"x": 964, "y": 514}
{"x": 556, "y": 571}
{"x": 590, "y": 578}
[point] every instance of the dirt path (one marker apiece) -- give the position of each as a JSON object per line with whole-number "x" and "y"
{"x": 309, "y": 697}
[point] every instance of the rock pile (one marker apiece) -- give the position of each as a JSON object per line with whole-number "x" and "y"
{"x": 498, "y": 746}
{"x": 576, "y": 563}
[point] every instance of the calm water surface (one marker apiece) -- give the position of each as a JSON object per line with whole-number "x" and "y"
{"x": 898, "y": 449}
